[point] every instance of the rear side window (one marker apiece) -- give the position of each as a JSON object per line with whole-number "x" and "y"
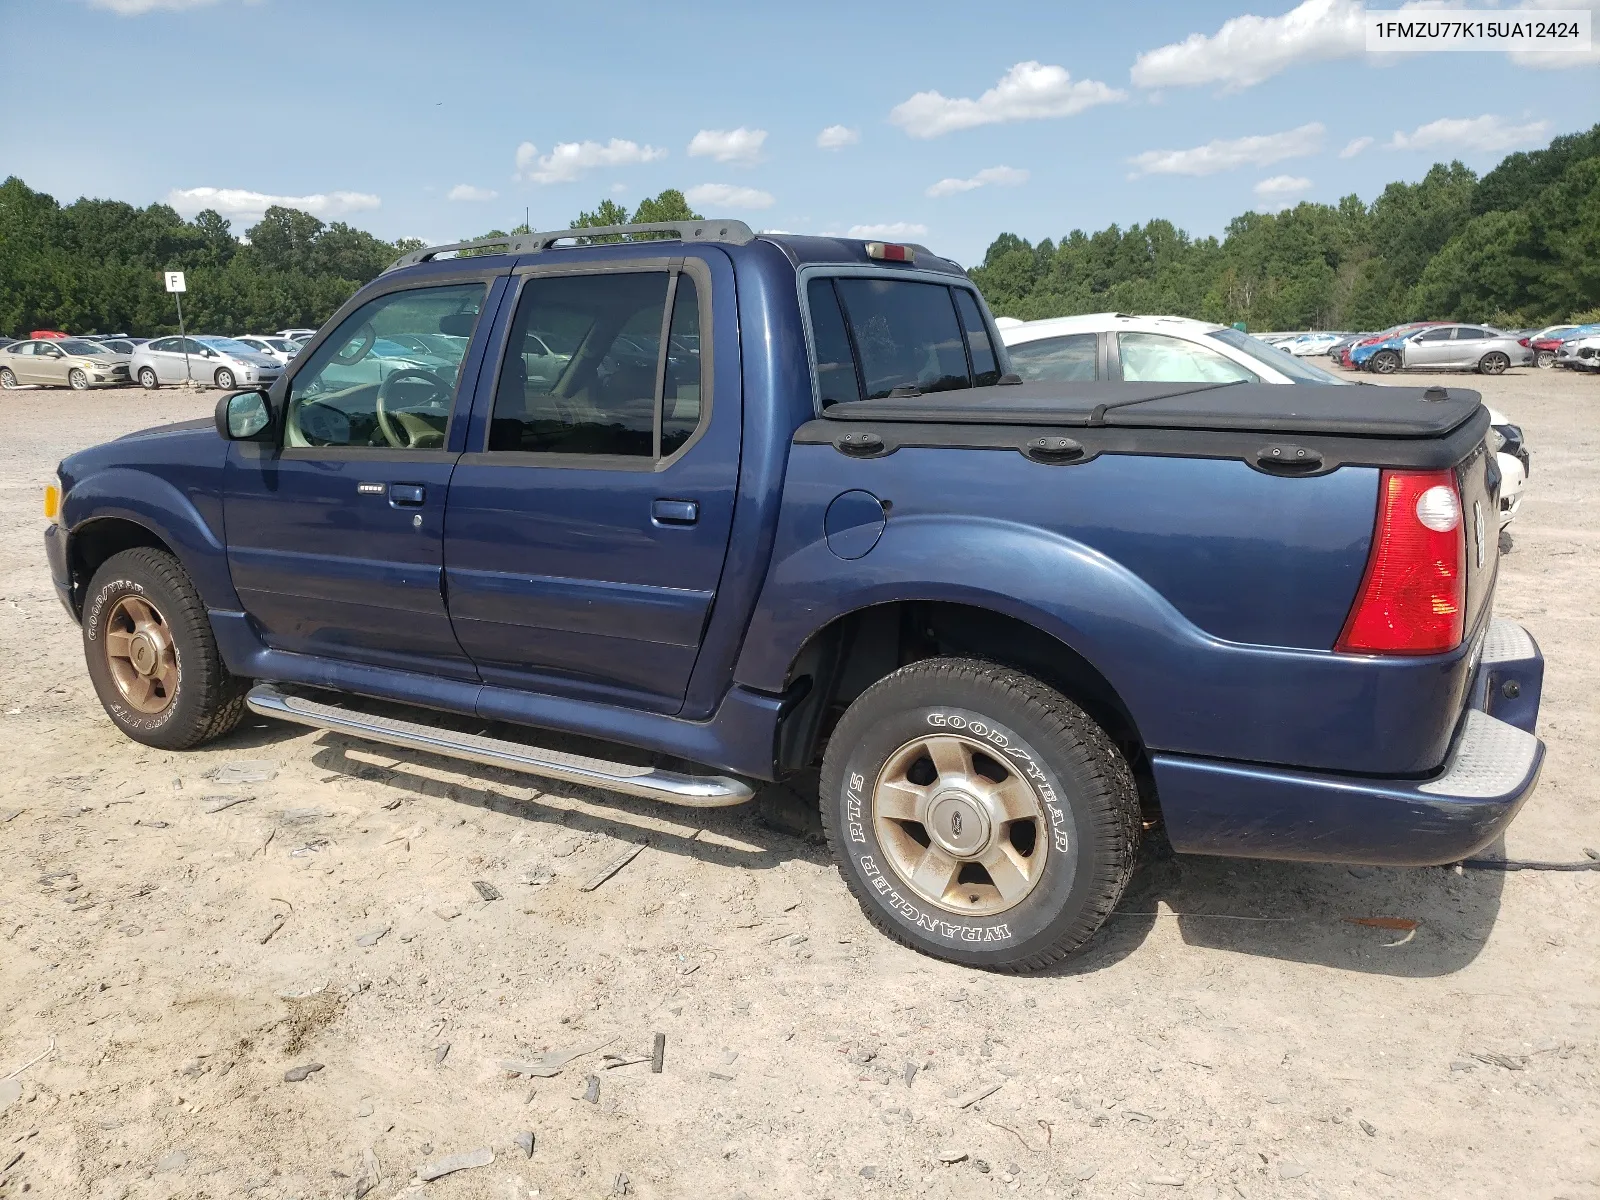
{"x": 876, "y": 336}
{"x": 586, "y": 370}
{"x": 1154, "y": 357}
{"x": 1069, "y": 358}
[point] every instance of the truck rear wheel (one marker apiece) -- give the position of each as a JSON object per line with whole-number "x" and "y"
{"x": 152, "y": 656}
{"x": 978, "y": 815}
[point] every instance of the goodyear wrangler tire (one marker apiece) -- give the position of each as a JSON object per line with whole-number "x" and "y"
{"x": 978, "y": 815}
{"x": 152, "y": 656}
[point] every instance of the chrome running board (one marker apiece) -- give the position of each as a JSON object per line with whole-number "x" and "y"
{"x": 695, "y": 791}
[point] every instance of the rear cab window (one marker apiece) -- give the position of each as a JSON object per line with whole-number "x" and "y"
{"x": 874, "y": 337}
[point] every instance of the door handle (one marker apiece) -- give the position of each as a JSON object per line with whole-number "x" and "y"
{"x": 407, "y": 495}
{"x": 675, "y": 512}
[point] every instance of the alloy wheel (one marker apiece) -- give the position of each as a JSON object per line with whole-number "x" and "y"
{"x": 139, "y": 650}
{"x": 962, "y": 829}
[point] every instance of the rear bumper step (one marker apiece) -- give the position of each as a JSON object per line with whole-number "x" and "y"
{"x": 694, "y": 791}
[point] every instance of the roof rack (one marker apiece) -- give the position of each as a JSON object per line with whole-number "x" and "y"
{"x": 735, "y": 233}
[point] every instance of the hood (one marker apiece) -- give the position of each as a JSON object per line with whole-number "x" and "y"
{"x": 185, "y": 445}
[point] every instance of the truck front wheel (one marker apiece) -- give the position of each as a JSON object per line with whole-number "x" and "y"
{"x": 978, "y": 815}
{"x": 152, "y": 656}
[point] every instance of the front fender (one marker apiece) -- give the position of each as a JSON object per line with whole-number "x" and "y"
{"x": 147, "y": 500}
{"x": 1186, "y": 690}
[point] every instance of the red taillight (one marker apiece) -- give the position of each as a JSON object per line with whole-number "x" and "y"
{"x": 1522, "y": 341}
{"x": 1413, "y": 595}
{"x": 890, "y": 252}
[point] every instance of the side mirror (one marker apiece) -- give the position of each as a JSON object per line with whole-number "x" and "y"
{"x": 243, "y": 416}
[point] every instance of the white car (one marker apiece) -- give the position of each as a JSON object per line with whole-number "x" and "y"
{"x": 296, "y": 335}
{"x": 1310, "y": 345}
{"x": 279, "y": 349}
{"x": 1113, "y": 346}
{"x": 1579, "y": 354}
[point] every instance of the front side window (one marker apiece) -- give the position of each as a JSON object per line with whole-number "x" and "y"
{"x": 586, "y": 370}
{"x": 363, "y": 388}
{"x": 1437, "y": 335}
{"x": 1069, "y": 358}
{"x": 1157, "y": 358}
{"x": 874, "y": 337}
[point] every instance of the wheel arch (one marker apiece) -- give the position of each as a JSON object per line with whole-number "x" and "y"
{"x": 856, "y": 649}
{"x": 94, "y": 541}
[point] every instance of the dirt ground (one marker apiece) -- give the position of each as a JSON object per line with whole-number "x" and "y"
{"x": 165, "y": 959}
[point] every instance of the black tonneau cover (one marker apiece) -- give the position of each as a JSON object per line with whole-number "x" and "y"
{"x": 1377, "y": 411}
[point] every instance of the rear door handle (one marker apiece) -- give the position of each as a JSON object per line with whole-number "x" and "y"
{"x": 407, "y": 495}
{"x": 675, "y": 512}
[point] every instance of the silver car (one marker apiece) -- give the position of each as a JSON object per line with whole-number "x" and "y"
{"x": 76, "y": 363}
{"x": 1454, "y": 348}
{"x": 279, "y": 350}
{"x": 209, "y": 361}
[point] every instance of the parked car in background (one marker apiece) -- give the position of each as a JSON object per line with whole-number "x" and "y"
{"x": 5, "y": 341}
{"x": 1348, "y": 348}
{"x": 1112, "y": 346}
{"x": 120, "y": 345}
{"x": 61, "y": 362}
{"x": 298, "y": 335}
{"x": 48, "y": 333}
{"x": 279, "y": 349}
{"x": 1445, "y": 348}
{"x": 219, "y": 361}
{"x": 1309, "y": 345}
{"x": 1580, "y": 353}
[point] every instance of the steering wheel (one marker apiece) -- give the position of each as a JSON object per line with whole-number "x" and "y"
{"x": 407, "y": 430}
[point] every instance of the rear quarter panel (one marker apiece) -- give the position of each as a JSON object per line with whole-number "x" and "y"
{"x": 1207, "y": 593}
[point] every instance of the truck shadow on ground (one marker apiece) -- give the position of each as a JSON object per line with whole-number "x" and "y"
{"x": 1332, "y": 915}
{"x": 733, "y": 837}
{"x": 1296, "y": 912}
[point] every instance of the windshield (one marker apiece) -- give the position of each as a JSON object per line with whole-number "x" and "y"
{"x": 227, "y": 345}
{"x": 1281, "y": 361}
{"x": 79, "y": 346}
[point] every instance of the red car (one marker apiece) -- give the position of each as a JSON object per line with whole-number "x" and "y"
{"x": 48, "y": 333}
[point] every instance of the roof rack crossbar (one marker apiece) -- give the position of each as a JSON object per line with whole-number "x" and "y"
{"x": 735, "y": 233}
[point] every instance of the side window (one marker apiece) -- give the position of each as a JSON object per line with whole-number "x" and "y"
{"x": 1069, "y": 358}
{"x": 363, "y": 388}
{"x": 160, "y": 345}
{"x": 585, "y": 371}
{"x": 985, "y": 364}
{"x": 1155, "y": 357}
{"x": 1470, "y": 333}
{"x": 1437, "y": 335}
{"x": 836, "y": 363}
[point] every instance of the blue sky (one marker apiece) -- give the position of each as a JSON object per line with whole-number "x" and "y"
{"x": 950, "y": 122}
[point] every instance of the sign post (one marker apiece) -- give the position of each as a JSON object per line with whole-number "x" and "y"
{"x": 176, "y": 285}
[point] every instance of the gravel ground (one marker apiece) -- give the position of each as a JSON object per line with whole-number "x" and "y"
{"x": 167, "y": 961}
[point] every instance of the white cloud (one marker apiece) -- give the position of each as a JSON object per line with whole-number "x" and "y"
{"x": 237, "y": 202}
{"x": 137, "y": 8}
{"x": 1224, "y": 154}
{"x": 728, "y": 195}
{"x": 1249, "y": 49}
{"x": 571, "y": 161}
{"x": 465, "y": 191}
{"x": 739, "y": 145}
{"x": 836, "y": 136}
{"x": 999, "y": 176}
{"x": 1486, "y": 133}
{"x": 893, "y": 229}
{"x": 1280, "y": 188}
{"x": 1029, "y": 91}
{"x": 1355, "y": 147}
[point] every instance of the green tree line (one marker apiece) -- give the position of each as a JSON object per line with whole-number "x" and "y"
{"x": 94, "y": 266}
{"x": 1520, "y": 246}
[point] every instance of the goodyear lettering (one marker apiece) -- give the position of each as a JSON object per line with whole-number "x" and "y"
{"x": 931, "y": 922}
{"x": 1025, "y": 763}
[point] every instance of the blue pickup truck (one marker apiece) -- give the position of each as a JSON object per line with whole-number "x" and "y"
{"x": 674, "y": 510}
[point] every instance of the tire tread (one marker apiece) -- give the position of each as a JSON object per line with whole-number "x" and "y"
{"x": 1116, "y": 826}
